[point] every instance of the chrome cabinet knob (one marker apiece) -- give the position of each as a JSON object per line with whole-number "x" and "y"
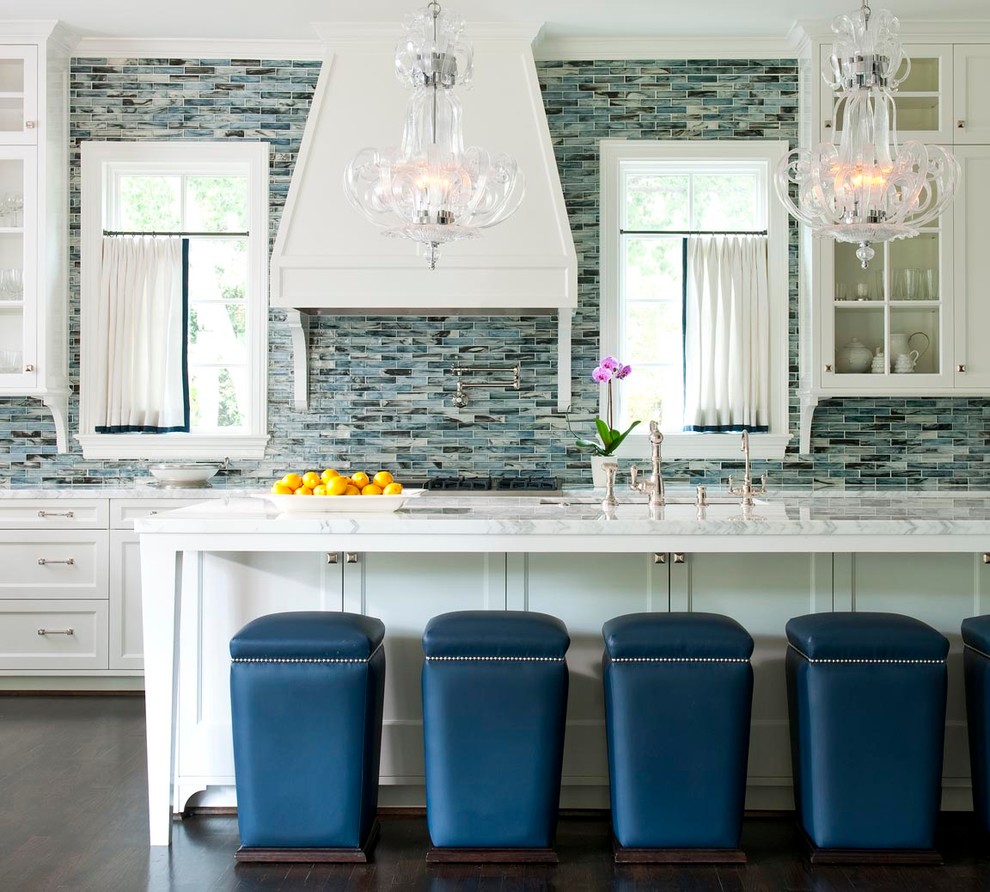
{"x": 828, "y": 367}
{"x": 961, "y": 124}
{"x": 30, "y": 125}
{"x": 961, "y": 367}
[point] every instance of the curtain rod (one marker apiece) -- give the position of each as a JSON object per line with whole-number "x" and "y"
{"x": 692, "y": 232}
{"x": 112, "y": 232}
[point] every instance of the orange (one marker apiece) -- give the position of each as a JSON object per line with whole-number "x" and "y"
{"x": 352, "y": 490}
{"x": 393, "y": 489}
{"x": 280, "y": 489}
{"x": 337, "y": 486}
{"x": 293, "y": 481}
{"x": 360, "y": 479}
{"x": 311, "y": 479}
{"x": 303, "y": 491}
{"x": 320, "y": 490}
{"x": 371, "y": 490}
{"x": 383, "y": 479}
{"x": 328, "y": 475}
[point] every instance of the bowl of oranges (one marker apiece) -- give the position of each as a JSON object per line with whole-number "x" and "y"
{"x": 313, "y": 491}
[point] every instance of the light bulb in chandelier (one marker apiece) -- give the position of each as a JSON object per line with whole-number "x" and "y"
{"x": 869, "y": 188}
{"x": 430, "y": 189}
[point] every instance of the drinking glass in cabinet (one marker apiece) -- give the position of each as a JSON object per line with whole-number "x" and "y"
{"x": 12, "y": 209}
{"x": 11, "y": 284}
{"x": 10, "y": 361}
{"x": 915, "y": 284}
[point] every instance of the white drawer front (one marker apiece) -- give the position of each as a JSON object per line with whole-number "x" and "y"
{"x": 123, "y": 512}
{"x": 53, "y": 514}
{"x": 59, "y": 564}
{"x": 53, "y": 635}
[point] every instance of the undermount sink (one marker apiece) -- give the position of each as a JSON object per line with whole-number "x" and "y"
{"x": 719, "y": 508}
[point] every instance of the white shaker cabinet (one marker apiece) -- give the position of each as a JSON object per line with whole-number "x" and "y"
{"x": 971, "y": 100}
{"x": 53, "y": 592}
{"x": 70, "y": 594}
{"x": 972, "y": 271}
{"x": 34, "y": 189}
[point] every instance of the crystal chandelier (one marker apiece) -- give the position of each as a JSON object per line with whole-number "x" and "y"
{"x": 869, "y": 188}
{"x": 430, "y": 188}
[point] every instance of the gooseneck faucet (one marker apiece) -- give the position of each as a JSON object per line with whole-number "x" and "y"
{"x": 747, "y": 490}
{"x": 653, "y": 486}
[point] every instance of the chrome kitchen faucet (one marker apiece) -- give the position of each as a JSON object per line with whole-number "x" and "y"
{"x": 653, "y": 486}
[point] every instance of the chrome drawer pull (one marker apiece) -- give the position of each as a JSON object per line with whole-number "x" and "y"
{"x": 56, "y": 514}
{"x": 44, "y": 562}
{"x": 44, "y": 632}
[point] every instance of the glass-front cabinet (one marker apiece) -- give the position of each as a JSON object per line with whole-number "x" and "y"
{"x": 34, "y": 63}
{"x": 888, "y": 327}
{"x": 923, "y": 101}
{"x": 18, "y": 94}
{"x": 18, "y": 268}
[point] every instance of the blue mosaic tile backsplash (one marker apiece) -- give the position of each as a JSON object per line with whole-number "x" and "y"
{"x": 379, "y": 392}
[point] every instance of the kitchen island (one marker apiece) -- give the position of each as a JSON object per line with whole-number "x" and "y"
{"x": 209, "y": 568}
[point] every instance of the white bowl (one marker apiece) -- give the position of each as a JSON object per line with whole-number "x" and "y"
{"x": 338, "y": 504}
{"x": 183, "y": 476}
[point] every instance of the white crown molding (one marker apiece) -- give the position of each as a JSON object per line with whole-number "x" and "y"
{"x": 197, "y": 48}
{"x": 915, "y": 30}
{"x": 566, "y": 49}
{"x": 361, "y": 32}
{"x": 38, "y": 29}
{"x": 800, "y": 41}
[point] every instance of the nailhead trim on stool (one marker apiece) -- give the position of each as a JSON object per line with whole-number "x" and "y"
{"x": 867, "y": 661}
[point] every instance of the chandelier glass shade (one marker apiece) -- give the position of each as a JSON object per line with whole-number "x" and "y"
{"x": 430, "y": 188}
{"x": 870, "y": 187}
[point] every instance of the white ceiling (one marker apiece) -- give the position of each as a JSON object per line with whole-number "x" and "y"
{"x": 291, "y": 19}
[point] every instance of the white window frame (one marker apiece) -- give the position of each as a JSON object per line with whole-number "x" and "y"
{"x": 621, "y": 155}
{"x": 102, "y": 160}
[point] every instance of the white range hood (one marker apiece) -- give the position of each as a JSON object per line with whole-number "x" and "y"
{"x": 328, "y": 257}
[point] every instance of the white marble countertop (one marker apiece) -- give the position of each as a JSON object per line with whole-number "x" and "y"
{"x": 148, "y": 490}
{"x": 785, "y": 521}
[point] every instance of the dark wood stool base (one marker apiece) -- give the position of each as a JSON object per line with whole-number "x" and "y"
{"x": 629, "y": 855}
{"x": 358, "y": 855}
{"x": 437, "y": 855}
{"x": 817, "y": 855}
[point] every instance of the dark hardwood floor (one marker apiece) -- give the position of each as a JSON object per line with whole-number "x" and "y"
{"x": 73, "y": 817}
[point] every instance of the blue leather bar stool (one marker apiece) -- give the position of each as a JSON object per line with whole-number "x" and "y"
{"x": 494, "y": 704}
{"x": 678, "y": 697}
{"x": 866, "y": 693}
{"x": 306, "y": 695}
{"x": 976, "y": 670}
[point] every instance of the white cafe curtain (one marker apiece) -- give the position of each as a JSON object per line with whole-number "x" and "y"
{"x": 726, "y": 336}
{"x": 142, "y": 379}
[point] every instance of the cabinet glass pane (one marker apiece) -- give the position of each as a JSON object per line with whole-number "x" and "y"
{"x": 914, "y": 331}
{"x": 916, "y": 112}
{"x": 858, "y": 334}
{"x": 914, "y": 269}
{"x": 12, "y": 95}
{"x": 852, "y": 282}
{"x": 923, "y": 78}
{"x": 11, "y": 265}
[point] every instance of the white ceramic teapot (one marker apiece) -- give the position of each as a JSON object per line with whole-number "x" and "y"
{"x": 854, "y": 357}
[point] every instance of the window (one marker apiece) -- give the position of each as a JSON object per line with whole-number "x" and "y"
{"x": 654, "y": 195}
{"x": 215, "y": 195}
